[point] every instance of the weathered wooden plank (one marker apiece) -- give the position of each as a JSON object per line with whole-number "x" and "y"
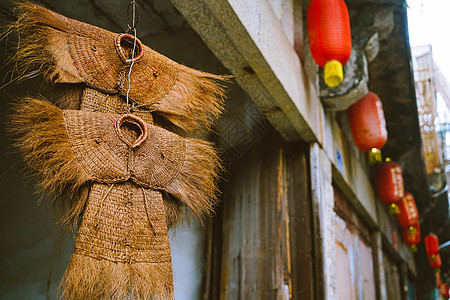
{"x": 300, "y": 223}
{"x": 213, "y": 256}
{"x": 267, "y": 250}
{"x": 252, "y": 262}
{"x": 391, "y": 273}
{"x": 380, "y": 280}
{"x": 322, "y": 202}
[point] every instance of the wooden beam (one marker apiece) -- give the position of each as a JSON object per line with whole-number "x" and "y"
{"x": 249, "y": 40}
{"x": 322, "y": 210}
{"x": 303, "y": 256}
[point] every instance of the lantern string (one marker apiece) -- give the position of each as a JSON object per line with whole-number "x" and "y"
{"x": 132, "y": 28}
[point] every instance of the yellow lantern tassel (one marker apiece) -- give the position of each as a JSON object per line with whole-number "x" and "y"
{"x": 375, "y": 156}
{"x": 333, "y": 73}
{"x": 413, "y": 249}
{"x": 412, "y": 230}
{"x": 393, "y": 209}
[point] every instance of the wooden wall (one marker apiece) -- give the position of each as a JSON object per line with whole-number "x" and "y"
{"x": 261, "y": 243}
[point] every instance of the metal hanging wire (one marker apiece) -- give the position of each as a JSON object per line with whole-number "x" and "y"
{"x": 133, "y": 17}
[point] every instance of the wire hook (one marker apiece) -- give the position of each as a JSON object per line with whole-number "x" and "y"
{"x": 132, "y": 30}
{"x": 133, "y": 15}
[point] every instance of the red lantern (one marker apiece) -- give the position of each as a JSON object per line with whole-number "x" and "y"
{"x": 329, "y": 37}
{"x": 368, "y": 125}
{"x": 435, "y": 261}
{"x": 432, "y": 244}
{"x": 390, "y": 184}
{"x": 444, "y": 290}
{"x": 411, "y": 236}
{"x": 438, "y": 279}
{"x": 408, "y": 215}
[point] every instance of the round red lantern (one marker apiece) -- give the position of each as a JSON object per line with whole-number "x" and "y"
{"x": 444, "y": 290}
{"x": 435, "y": 261}
{"x": 390, "y": 184}
{"x": 431, "y": 244}
{"x": 329, "y": 37}
{"x": 408, "y": 214}
{"x": 411, "y": 236}
{"x": 368, "y": 125}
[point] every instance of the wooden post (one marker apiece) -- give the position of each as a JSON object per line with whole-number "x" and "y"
{"x": 380, "y": 282}
{"x": 322, "y": 202}
{"x": 300, "y": 223}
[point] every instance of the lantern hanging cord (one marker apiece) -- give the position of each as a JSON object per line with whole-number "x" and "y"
{"x": 133, "y": 18}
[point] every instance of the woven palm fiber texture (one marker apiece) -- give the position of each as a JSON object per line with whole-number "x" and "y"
{"x": 69, "y": 51}
{"x": 120, "y": 178}
{"x": 93, "y": 100}
{"x": 122, "y": 248}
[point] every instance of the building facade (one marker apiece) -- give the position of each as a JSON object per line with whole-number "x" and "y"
{"x": 299, "y": 216}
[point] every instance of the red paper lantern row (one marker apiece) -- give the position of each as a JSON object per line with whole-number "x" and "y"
{"x": 329, "y": 37}
{"x": 408, "y": 214}
{"x": 432, "y": 244}
{"x": 411, "y": 236}
{"x": 368, "y": 125}
{"x": 444, "y": 290}
{"x": 435, "y": 261}
{"x": 390, "y": 184}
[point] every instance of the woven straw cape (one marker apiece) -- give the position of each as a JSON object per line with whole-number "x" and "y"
{"x": 118, "y": 166}
{"x": 69, "y": 51}
{"x": 120, "y": 178}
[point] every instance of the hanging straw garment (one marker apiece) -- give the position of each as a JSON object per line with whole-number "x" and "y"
{"x": 122, "y": 196}
{"x": 122, "y": 248}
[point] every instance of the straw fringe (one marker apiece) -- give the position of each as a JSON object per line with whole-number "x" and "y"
{"x": 39, "y": 132}
{"x": 90, "y": 278}
{"x": 195, "y": 101}
{"x": 196, "y": 184}
{"x": 43, "y": 46}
